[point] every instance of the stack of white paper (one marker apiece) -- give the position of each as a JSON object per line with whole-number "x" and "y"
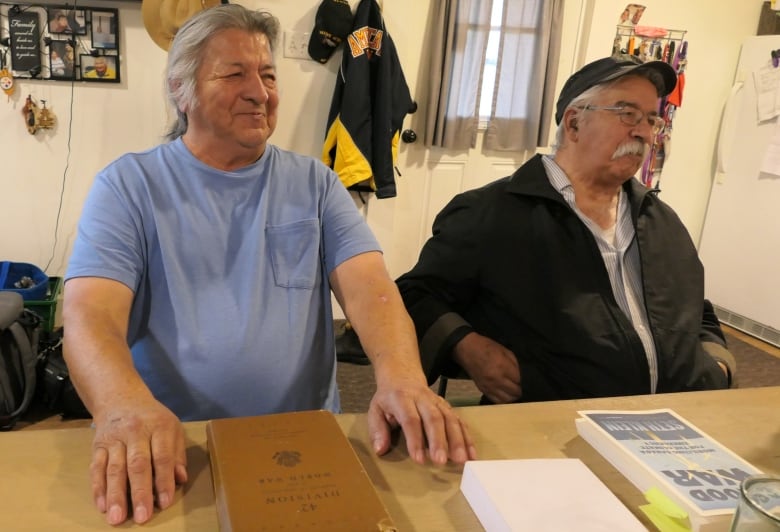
{"x": 553, "y": 494}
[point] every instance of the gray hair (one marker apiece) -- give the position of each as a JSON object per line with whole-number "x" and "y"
{"x": 186, "y": 51}
{"x": 590, "y": 94}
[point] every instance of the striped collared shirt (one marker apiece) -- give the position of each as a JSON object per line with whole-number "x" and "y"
{"x": 620, "y": 252}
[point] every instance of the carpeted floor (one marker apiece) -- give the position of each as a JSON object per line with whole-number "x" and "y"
{"x": 755, "y": 368}
{"x": 356, "y": 382}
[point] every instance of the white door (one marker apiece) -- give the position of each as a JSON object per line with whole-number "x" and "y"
{"x": 429, "y": 179}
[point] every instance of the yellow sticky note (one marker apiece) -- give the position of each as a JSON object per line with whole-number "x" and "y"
{"x": 664, "y": 513}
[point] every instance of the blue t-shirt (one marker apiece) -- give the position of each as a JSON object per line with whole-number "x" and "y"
{"x": 232, "y": 312}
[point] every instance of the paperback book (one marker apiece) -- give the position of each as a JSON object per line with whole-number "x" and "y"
{"x": 660, "y": 451}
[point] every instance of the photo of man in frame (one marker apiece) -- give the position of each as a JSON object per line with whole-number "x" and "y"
{"x": 99, "y": 68}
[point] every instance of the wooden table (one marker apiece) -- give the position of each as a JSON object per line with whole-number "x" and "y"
{"x": 44, "y": 482}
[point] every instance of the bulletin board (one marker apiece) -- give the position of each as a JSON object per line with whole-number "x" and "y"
{"x": 60, "y": 42}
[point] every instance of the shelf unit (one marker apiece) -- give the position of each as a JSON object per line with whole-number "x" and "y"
{"x": 655, "y": 44}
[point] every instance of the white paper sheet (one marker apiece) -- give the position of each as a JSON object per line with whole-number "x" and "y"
{"x": 767, "y": 80}
{"x": 771, "y": 162}
{"x": 553, "y": 494}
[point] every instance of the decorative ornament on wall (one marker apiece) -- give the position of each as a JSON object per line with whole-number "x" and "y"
{"x": 36, "y": 118}
{"x": 46, "y": 119}
{"x": 24, "y": 30}
{"x": 6, "y": 76}
{"x": 7, "y": 82}
{"x": 30, "y": 114}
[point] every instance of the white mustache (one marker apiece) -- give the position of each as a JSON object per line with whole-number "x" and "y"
{"x": 635, "y": 147}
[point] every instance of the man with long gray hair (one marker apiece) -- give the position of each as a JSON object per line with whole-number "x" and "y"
{"x": 199, "y": 284}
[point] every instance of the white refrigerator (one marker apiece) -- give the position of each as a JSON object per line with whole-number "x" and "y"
{"x": 740, "y": 242}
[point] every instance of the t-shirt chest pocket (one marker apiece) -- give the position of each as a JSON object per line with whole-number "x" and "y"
{"x": 295, "y": 253}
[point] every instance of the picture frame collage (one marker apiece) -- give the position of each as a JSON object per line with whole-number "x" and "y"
{"x": 61, "y": 42}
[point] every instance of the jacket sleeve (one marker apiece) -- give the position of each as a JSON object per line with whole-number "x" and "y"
{"x": 437, "y": 291}
{"x": 347, "y": 148}
{"x": 714, "y": 342}
{"x": 391, "y": 103}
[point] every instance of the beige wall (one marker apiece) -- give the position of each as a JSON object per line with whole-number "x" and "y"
{"x": 99, "y": 122}
{"x": 714, "y": 33}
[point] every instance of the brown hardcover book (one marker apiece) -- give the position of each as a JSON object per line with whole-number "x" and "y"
{"x": 294, "y": 471}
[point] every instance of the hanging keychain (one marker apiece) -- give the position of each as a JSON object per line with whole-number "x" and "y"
{"x": 6, "y": 78}
{"x": 665, "y": 55}
{"x": 644, "y": 50}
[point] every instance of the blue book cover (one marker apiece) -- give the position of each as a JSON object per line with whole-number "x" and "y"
{"x": 658, "y": 448}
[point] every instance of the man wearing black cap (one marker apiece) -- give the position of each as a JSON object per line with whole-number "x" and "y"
{"x": 569, "y": 278}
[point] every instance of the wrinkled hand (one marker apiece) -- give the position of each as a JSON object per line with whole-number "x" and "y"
{"x": 492, "y": 367}
{"x": 139, "y": 447}
{"x": 427, "y": 420}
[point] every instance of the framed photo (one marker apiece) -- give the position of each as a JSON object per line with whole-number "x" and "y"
{"x": 62, "y": 60}
{"x": 104, "y": 28}
{"x": 101, "y": 68}
{"x": 63, "y": 19}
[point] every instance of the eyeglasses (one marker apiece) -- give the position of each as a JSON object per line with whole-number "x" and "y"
{"x": 631, "y": 116}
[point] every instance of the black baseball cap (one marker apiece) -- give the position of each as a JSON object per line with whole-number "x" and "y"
{"x": 608, "y": 69}
{"x": 332, "y": 24}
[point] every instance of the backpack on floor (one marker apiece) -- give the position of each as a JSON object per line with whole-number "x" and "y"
{"x": 55, "y": 389}
{"x": 18, "y": 358}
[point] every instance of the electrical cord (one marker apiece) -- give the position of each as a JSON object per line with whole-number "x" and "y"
{"x": 64, "y": 177}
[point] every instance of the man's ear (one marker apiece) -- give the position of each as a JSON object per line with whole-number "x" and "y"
{"x": 173, "y": 86}
{"x": 570, "y": 123}
{"x": 572, "y": 120}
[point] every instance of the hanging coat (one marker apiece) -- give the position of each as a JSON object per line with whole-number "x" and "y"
{"x": 369, "y": 104}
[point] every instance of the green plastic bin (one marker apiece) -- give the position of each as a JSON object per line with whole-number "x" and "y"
{"x": 47, "y": 308}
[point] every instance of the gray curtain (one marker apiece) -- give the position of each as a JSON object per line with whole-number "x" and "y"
{"x": 523, "y": 97}
{"x": 459, "y": 33}
{"x": 525, "y": 77}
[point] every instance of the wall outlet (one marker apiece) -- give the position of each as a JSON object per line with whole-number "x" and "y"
{"x": 296, "y": 44}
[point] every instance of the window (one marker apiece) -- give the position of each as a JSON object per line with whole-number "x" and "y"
{"x": 491, "y": 62}
{"x": 495, "y": 66}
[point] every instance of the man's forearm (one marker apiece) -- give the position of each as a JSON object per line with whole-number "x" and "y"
{"x": 373, "y": 305}
{"x": 101, "y": 369}
{"x": 95, "y": 316}
{"x": 387, "y": 333}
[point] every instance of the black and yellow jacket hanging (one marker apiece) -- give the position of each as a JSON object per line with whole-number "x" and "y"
{"x": 369, "y": 104}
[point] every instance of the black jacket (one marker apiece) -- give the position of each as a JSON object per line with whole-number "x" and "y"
{"x": 513, "y": 262}
{"x": 369, "y": 104}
